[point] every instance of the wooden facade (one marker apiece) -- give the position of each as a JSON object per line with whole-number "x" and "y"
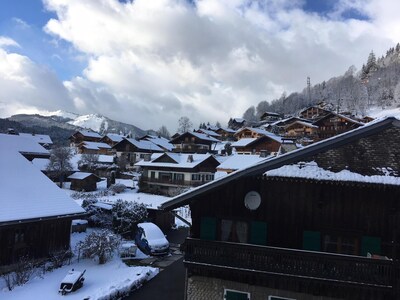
{"x": 299, "y": 129}
{"x": 87, "y": 184}
{"x": 310, "y": 238}
{"x": 313, "y": 113}
{"x": 80, "y": 136}
{"x": 35, "y": 238}
{"x": 333, "y": 124}
{"x": 191, "y": 143}
{"x": 261, "y": 144}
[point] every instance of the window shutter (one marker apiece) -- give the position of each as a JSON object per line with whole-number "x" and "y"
{"x": 312, "y": 240}
{"x": 258, "y": 233}
{"x": 370, "y": 244}
{"x": 208, "y": 228}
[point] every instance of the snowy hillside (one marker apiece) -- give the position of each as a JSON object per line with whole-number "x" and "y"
{"x": 93, "y": 121}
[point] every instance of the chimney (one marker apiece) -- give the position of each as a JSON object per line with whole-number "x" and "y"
{"x": 190, "y": 158}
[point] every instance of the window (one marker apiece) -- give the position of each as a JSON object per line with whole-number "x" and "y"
{"x": 209, "y": 177}
{"x": 19, "y": 236}
{"x": 234, "y": 231}
{"x": 153, "y": 175}
{"x": 340, "y": 244}
{"x": 235, "y": 295}
{"x": 196, "y": 177}
{"x": 178, "y": 177}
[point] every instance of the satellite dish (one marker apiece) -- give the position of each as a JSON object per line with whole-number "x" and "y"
{"x": 252, "y": 200}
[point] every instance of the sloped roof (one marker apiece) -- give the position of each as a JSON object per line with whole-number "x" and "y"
{"x": 205, "y": 137}
{"x": 95, "y": 145}
{"x": 144, "y": 145}
{"x": 209, "y": 132}
{"x": 262, "y": 132}
{"x": 243, "y": 142}
{"x": 161, "y": 142}
{"x": 341, "y": 116}
{"x": 181, "y": 160}
{"x": 22, "y": 144}
{"x": 115, "y": 137}
{"x": 26, "y": 193}
{"x": 89, "y": 133}
{"x": 301, "y": 123}
{"x": 82, "y": 175}
{"x": 288, "y": 158}
{"x": 240, "y": 161}
{"x": 39, "y": 138}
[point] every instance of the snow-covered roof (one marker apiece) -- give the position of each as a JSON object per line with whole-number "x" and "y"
{"x": 262, "y": 132}
{"x": 205, "y": 137}
{"x": 39, "y": 138}
{"x": 243, "y": 142}
{"x": 95, "y": 145}
{"x": 80, "y": 175}
{"x": 160, "y": 141}
{"x": 26, "y": 193}
{"x": 209, "y": 132}
{"x": 144, "y": 145}
{"x": 239, "y": 120}
{"x": 310, "y": 170}
{"x": 240, "y": 161}
{"x": 115, "y": 137}
{"x": 303, "y": 124}
{"x": 41, "y": 163}
{"x": 89, "y": 133}
{"x": 227, "y": 129}
{"x": 21, "y": 144}
{"x": 182, "y": 160}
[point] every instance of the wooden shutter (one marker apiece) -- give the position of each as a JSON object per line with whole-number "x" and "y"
{"x": 312, "y": 240}
{"x": 258, "y": 233}
{"x": 208, "y": 228}
{"x": 370, "y": 244}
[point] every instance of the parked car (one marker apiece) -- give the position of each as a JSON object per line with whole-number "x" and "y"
{"x": 71, "y": 282}
{"x": 150, "y": 238}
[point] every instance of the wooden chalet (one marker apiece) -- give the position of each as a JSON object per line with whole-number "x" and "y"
{"x": 170, "y": 172}
{"x": 320, "y": 223}
{"x": 270, "y": 117}
{"x": 333, "y": 124}
{"x": 132, "y": 150}
{"x": 83, "y": 181}
{"x": 301, "y": 129}
{"x": 194, "y": 142}
{"x": 249, "y": 132}
{"x": 35, "y": 215}
{"x": 269, "y": 143}
{"x": 313, "y": 113}
{"x": 111, "y": 139}
{"x": 94, "y": 148}
{"x": 84, "y": 135}
{"x": 209, "y": 133}
{"x": 160, "y": 141}
{"x": 227, "y": 134}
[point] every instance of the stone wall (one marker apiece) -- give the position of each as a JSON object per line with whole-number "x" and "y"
{"x": 205, "y": 288}
{"x": 378, "y": 154}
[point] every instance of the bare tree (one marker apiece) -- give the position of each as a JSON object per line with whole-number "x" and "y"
{"x": 184, "y": 124}
{"x": 163, "y": 132}
{"x": 60, "y": 163}
{"x": 88, "y": 162}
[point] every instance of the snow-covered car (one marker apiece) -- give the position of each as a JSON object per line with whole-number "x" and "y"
{"x": 150, "y": 234}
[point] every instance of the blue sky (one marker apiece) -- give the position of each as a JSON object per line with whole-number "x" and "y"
{"x": 149, "y": 62}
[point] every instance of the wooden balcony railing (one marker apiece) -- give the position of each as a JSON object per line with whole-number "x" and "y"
{"x": 174, "y": 182}
{"x": 326, "y": 268}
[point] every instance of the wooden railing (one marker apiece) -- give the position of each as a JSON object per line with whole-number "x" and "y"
{"x": 174, "y": 182}
{"x": 342, "y": 270}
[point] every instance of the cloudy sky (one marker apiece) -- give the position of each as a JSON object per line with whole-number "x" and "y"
{"x": 150, "y": 62}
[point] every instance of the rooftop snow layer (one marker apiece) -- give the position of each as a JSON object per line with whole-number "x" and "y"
{"x": 26, "y": 193}
{"x": 39, "y": 138}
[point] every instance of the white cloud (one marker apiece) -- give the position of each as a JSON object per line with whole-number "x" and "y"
{"x": 150, "y": 62}
{"x": 26, "y": 86}
{"x": 6, "y": 41}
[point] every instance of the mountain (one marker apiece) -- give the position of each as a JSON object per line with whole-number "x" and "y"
{"x": 62, "y": 124}
{"x": 377, "y": 85}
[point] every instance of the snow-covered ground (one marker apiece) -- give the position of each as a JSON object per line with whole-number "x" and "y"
{"x": 101, "y": 281}
{"x": 378, "y": 113}
{"x": 151, "y": 201}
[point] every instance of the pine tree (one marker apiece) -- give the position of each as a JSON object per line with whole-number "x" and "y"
{"x": 371, "y": 63}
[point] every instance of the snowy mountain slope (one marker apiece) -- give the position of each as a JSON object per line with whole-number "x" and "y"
{"x": 93, "y": 121}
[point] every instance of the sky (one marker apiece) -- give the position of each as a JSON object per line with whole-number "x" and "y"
{"x": 148, "y": 63}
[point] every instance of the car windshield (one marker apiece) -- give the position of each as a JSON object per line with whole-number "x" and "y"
{"x": 151, "y": 231}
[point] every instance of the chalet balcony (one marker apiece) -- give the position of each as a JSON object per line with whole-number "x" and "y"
{"x": 344, "y": 276}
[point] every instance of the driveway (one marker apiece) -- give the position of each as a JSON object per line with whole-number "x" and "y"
{"x": 170, "y": 282}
